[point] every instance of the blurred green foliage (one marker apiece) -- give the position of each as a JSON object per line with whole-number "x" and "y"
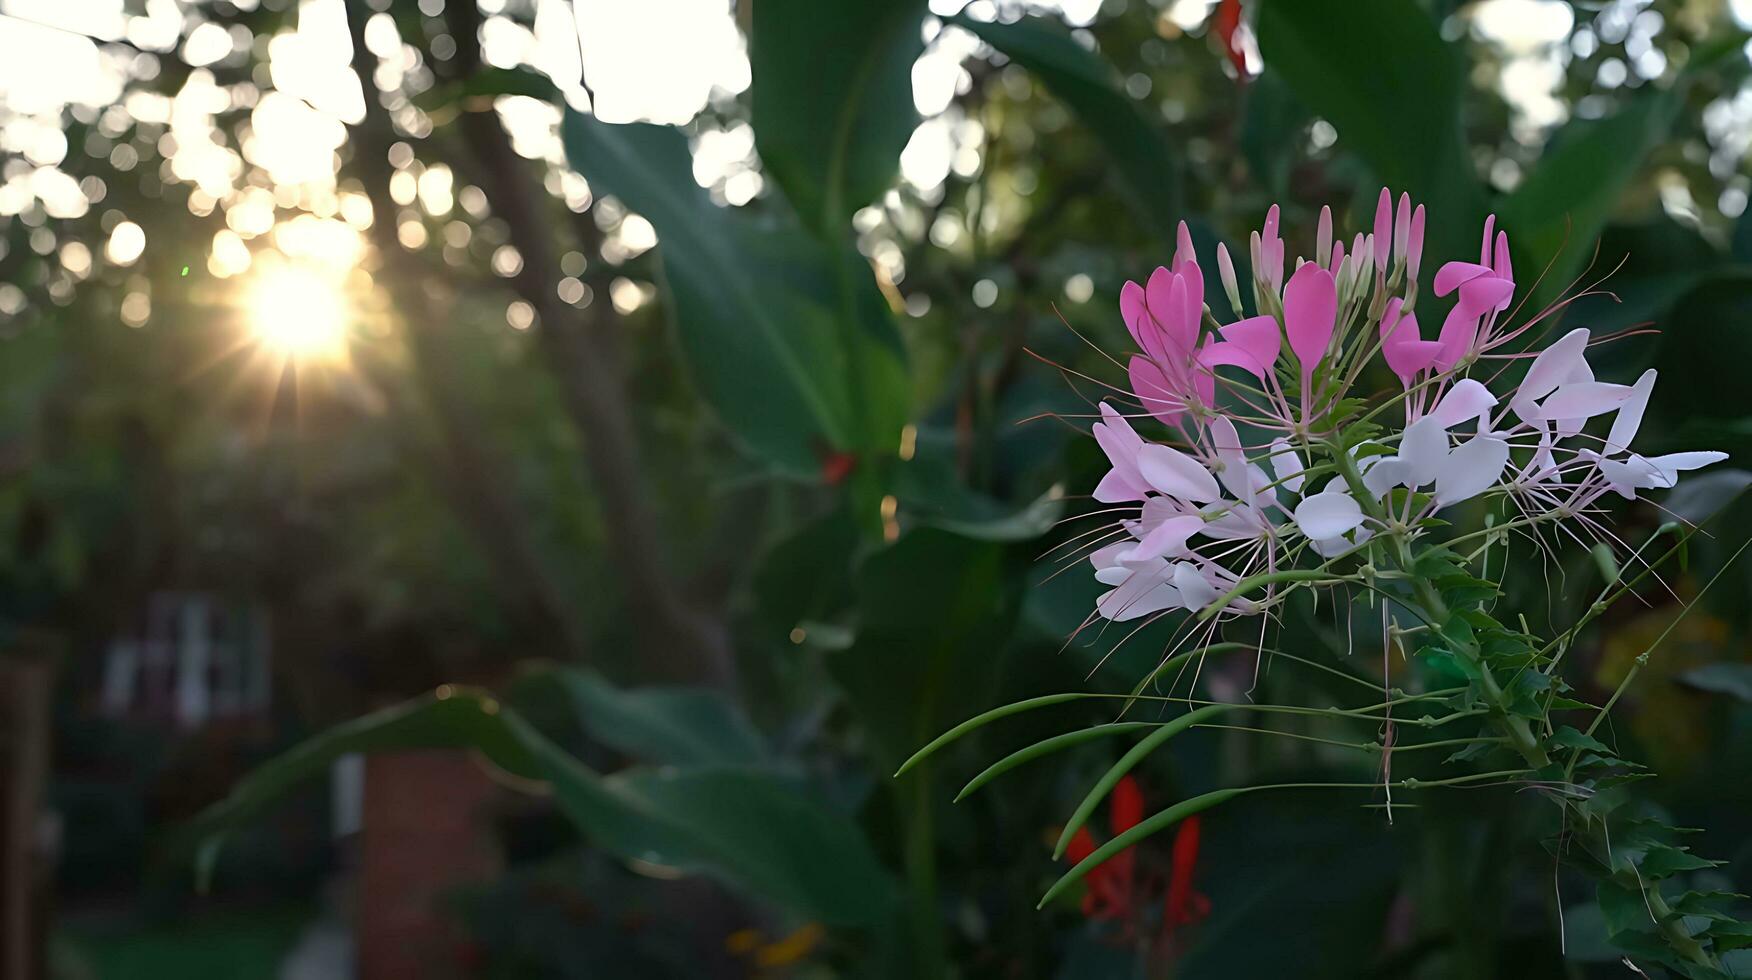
{"x": 788, "y": 434}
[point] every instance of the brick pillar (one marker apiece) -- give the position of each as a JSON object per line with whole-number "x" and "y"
{"x": 425, "y": 832}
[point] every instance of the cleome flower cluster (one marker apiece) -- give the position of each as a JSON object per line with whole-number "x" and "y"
{"x": 1273, "y": 462}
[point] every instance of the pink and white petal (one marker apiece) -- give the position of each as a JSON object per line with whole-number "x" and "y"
{"x": 1215, "y": 355}
{"x": 1170, "y": 471}
{"x": 1555, "y": 365}
{"x": 1191, "y": 305}
{"x": 1134, "y": 311}
{"x": 1458, "y": 333}
{"x": 1471, "y": 468}
{"x": 1467, "y": 400}
{"x": 1227, "y": 520}
{"x": 1183, "y": 250}
{"x": 1196, "y": 590}
{"x": 1233, "y": 470}
{"x": 1388, "y": 472}
{"x": 1383, "y": 228}
{"x": 1486, "y": 293}
{"x": 1151, "y": 387}
{"x": 1453, "y": 274}
{"x": 1117, "y": 488}
{"x": 1258, "y": 335}
{"x": 1406, "y": 358}
{"x": 1582, "y": 400}
{"x": 1501, "y": 265}
{"x": 1627, "y": 475}
{"x": 1630, "y": 414}
{"x": 1414, "y": 252}
{"x": 1310, "y": 314}
{"x": 1672, "y": 464}
{"x": 1424, "y": 450}
{"x": 1107, "y": 558}
{"x": 1168, "y": 539}
{"x": 1286, "y": 465}
{"x": 1327, "y": 515}
{"x": 1142, "y": 594}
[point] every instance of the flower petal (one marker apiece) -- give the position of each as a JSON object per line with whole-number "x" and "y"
{"x": 1116, "y": 488}
{"x": 1407, "y": 357}
{"x": 1258, "y": 336}
{"x": 1196, "y": 591}
{"x": 1310, "y": 313}
{"x": 1388, "y": 472}
{"x": 1423, "y": 449}
{"x": 1452, "y": 274}
{"x": 1672, "y": 464}
{"x": 1286, "y": 465}
{"x": 1150, "y": 384}
{"x": 1167, "y": 539}
{"x": 1630, "y": 414}
{"x": 1582, "y": 400}
{"x": 1470, "y": 469}
{"x": 1170, "y": 471}
{"x": 1134, "y": 311}
{"x": 1467, "y": 400}
{"x": 1458, "y": 332}
{"x": 1561, "y": 363}
{"x": 1233, "y": 471}
{"x": 1486, "y": 293}
{"x": 1383, "y": 228}
{"x": 1327, "y": 515}
{"x": 1142, "y": 593}
{"x": 1121, "y": 444}
{"x": 1223, "y": 352}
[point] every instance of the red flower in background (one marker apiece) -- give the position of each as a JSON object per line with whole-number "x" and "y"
{"x": 1115, "y": 890}
{"x": 1227, "y": 26}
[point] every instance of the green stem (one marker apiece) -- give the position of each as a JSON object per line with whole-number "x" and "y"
{"x": 921, "y": 877}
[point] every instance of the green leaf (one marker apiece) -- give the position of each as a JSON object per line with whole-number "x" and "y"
{"x": 669, "y": 725}
{"x": 1048, "y": 746}
{"x": 1624, "y": 909}
{"x": 832, "y": 101}
{"x": 743, "y": 826}
{"x": 808, "y": 574}
{"x": 1666, "y": 860}
{"x": 1734, "y": 680}
{"x": 1380, "y": 73}
{"x": 1731, "y": 935}
{"x": 983, "y": 719}
{"x": 934, "y": 613}
{"x": 1150, "y": 825}
{"x": 1568, "y": 738}
{"x": 761, "y": 311}
{"x": 1126, "y": 764}
{"x": 1146, "y": 170}
{"x": 1558, "y": 212}
{"x": 1709, "y": 905}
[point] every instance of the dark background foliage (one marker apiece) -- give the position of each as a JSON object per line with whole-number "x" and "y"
{"x": 688, "y": 474}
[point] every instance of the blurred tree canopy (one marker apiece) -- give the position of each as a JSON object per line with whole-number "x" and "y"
{"x": 687, "y": 343}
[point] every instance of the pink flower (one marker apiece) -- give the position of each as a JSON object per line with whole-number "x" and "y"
{"x": 1234, "y": 498}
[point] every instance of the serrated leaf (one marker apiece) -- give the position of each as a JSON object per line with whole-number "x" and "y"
{"x": 1569, "y": 738}
{"x": 1666, "y": 860}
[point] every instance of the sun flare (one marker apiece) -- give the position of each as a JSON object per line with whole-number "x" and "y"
{"x": 298, "y": 312}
